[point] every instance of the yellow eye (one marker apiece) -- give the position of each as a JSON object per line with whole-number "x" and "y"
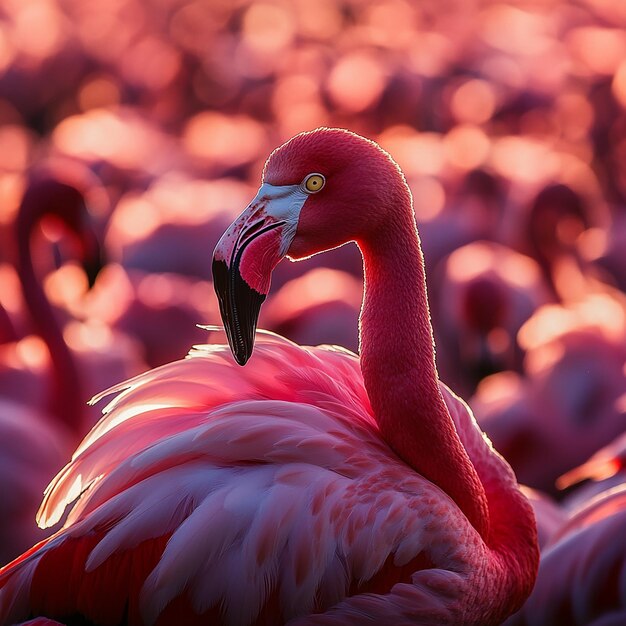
{"x": 314, "y": 182}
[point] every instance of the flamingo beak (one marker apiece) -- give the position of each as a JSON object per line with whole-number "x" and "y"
{"x": 93, "y": 259}
{"x": 245, "y": 256}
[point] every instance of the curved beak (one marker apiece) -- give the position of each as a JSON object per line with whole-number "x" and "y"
{"x": 246, "y": 255}
{"x": 93, "y": 256}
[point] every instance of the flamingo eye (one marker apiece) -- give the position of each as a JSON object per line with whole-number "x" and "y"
{"x": 313, "y": 183}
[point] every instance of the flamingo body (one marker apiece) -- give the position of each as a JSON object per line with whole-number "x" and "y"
{"x": 312, "y": 486}
{"x": 34, "y": 450}
{"x": 567, "y": 406}
{"x": 550, "y": 516}
{"x": 238, "y": 484}
{"x": 582, "y": 575}
{"x": 603, "y": 471}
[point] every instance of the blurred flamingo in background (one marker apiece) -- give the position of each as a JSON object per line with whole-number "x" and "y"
{"x": 549, "y": 515}
{"x": 211, "y": 480}
{"x": 482, "y": 295}
{"x": 43, "y": 412}
{"x": 320, "y": 307}
{"x": 556, "y": 220}
{"x": 146, "y": 306}
{"x": 568, "y": 402}
{"x": 603, "y": 471}
{"x": 33, "y": 448}
{"x": 56, "y": 193}
{"x": 581, "y": 576}
{"x": 82, "y": 357}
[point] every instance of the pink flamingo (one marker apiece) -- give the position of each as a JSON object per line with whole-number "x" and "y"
{"x": 43, "y": 382}
{"x": 550, "y": 515}
{"x": 309, "y": 486}
{"x": 605, "y": 470}
{"x": 581, "y": 576}
{"x": 51, "y": 192}
{"x": 147, "y": 306}
{"x": 484, "y": 292}
{"x": 32, "y": 448}
{"x": 568, "y": 403}
{"x": 61, "y": 192}
{"x": 551, "y": 232}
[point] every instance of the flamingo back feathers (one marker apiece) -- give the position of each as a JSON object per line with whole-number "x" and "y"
{"x": 582, "y": 575}
{"x": 235, "y": 490}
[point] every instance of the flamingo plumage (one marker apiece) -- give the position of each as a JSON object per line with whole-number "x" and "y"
{"x": 582, "y": 576}
{"x": 603, "y": 471}
{"x": 309, "y": 487}
{"x": 33, "y": 448}
{"x": 61, "y": 193}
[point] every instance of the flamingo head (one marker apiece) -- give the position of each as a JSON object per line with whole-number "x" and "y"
{"x": 53, "y": 197}
{"x": 320, "y": 190}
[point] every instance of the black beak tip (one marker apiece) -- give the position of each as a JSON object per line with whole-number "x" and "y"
{"x": 239, "y": 308}
{"x": 241, "y": 356}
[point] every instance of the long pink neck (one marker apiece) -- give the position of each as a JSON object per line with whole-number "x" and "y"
{"x": 65, "y": 399}
{"x": 398, "y": 363}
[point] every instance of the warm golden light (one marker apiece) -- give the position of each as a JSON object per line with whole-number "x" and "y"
{"x": 103, "y": 134}
{"x": 38, "y": 27}
{"x": 268, "y": 27}
{"x": 601, "y": 50}
{"x": 466, "y": 147}
{"x": 356, "y": 81}
{"x": 474, "y": 101}
{"x": 619, "y": 84}
{"x": 99, "y": 92}
{"x": 16, "y": 144}
{"x": 524, "y": 159}
{"x": 416, "y": 153}
{"x": 223, "y": 139}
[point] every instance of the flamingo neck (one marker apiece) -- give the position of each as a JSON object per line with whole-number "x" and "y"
{"x": 398, "y": 363}
{"x": 64, "y": 397}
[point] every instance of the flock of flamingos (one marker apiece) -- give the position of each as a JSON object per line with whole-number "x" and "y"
{"x": 423, "y": 426}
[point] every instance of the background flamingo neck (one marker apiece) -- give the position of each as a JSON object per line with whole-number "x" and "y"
{"x": 65, "y": 399}
{"x": 398, "y": 363}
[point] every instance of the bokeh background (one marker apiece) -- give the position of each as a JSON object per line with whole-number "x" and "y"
{"x": 143, "y": 126}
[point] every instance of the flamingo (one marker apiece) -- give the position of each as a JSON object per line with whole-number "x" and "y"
{"x": 568, "y": 402}
{"x": 145, "y": 306}
{"x": 32, "y": 448}
{"x": 43, "y": 411}
{"x": 581, "y": 577}
{"x": 308, "y": 487}
{"x": 61, "y": 191}
{"x": 484, "y": 293}
{"x": 51, "y": 193}
{"x": 603, "y": 471}
{"x": 554, "y": 223}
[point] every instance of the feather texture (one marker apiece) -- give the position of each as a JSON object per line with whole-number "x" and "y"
{"x": 241, "y": 487}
